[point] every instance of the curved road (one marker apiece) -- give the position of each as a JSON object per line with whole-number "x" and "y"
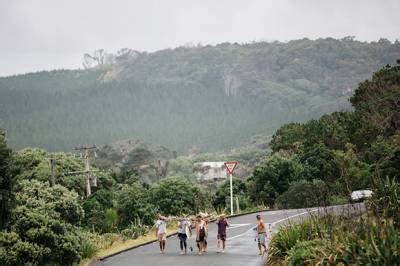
{"x": 241, "y": 249}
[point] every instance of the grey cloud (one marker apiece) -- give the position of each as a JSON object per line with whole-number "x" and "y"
{"x": 50, "y": 34}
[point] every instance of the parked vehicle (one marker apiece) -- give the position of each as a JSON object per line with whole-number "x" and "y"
{"x": 360, "y": 195}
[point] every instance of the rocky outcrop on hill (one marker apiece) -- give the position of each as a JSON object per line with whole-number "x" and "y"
{"x": 148, "y": 160}
{"x": 102, "y": 58}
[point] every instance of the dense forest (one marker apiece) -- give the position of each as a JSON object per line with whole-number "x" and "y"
{"x": 321, "y": 161}
{"x": 201, "y": 98}
{"x": 315, "y": 163}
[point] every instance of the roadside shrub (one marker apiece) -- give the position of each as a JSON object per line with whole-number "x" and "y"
{"x": 90, "y": 244}
{"x": 95, "y": 207}
{"x": 43, "y": 226}
{"x": 221, "y": 199}
{"x": 134, "y": 230}
{"x": 307, "y": 252}
{"x": 14, "y": 251}
{"x": 338, "y": 200}
{"x": 287, "y": 237}
{"x": 337, "y": 240}
{"x": 368, "y": 242}
{"x": 132, "y": 203}
{"x": 176, "y": 196}
{"x": 88, "y": 249}
{"x": 111, "y": 219}
{"x": 303, "y": 194}
{"x": 272, "y": 177}
{"x": 386, "y": 200}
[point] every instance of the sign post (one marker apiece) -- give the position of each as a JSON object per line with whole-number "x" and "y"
{"x": 230, "y": 167}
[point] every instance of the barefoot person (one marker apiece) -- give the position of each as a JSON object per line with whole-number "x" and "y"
{"x": 221, "y": 236}
{"x": 261, "y": 234}
{"x": 183, "y": 233}
{"x": 205, "y": 219}
{"x": 200, "y": 234}
{"x": 161, "y": 232}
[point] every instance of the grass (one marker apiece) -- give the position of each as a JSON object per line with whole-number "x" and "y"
{"x": 109, "y": 244}
{"x": 366, "y": 240}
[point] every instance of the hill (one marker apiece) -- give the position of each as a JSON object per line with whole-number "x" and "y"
{"x": 203, "y": 98}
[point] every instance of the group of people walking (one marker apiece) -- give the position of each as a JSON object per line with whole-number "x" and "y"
{"x": 199, "y": 227}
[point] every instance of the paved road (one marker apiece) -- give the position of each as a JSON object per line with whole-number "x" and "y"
{"x": 241, "y": 247}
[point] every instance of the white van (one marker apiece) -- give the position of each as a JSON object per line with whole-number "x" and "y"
{"x": 361, "y": 195}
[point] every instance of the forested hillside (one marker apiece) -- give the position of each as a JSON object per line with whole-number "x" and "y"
{"x": 202, "y": 98}
{"x": 315, "y": 163}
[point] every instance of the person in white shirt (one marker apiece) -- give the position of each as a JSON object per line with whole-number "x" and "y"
{"x": 184, "y": 232}
{"x": 161, "y": 232}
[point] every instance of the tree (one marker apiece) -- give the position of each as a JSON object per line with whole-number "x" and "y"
{"x": 332, "y": 130}
{"x": 377, "y": 101}
{"x": 43, "y": 226}
{"x": 6, "y": 182}
{"x": 176, "y": 195}
{"x": 303, "y": 194}
{"x": 272, "y": 177}
{"x": 319, "y": 163}
{"x": 28, "y": 164}
{"x": 95, "y": 208}
{"x": 384, "y": 157}
{"x": 133, "y": 205}
{"x": 354, "y": 174}
{"x": 222, "y": 197}
{"x": 288, "y": 137}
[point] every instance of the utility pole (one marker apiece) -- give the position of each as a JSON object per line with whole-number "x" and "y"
{"x": 52, "y": 166}
{"x": 87, "y": 171}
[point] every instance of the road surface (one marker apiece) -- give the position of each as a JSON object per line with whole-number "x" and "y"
{"x": 241, "y": 249}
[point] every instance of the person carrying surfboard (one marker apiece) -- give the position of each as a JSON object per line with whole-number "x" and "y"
{"x": 221, "y": 236}
{"x": 261, "y": 234}
{"x": 184, "y": 232}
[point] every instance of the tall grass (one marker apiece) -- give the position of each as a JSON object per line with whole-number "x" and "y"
{"x": 371, "y": 238}
{"x": 334, "y": 239}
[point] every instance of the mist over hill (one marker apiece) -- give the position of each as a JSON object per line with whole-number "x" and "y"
{"x": 202, "y": 98}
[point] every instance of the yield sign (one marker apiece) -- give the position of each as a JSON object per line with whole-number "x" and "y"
{"x": 230, "y": 166}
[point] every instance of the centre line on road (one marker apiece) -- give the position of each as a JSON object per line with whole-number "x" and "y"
{"x": 290, "y": 217}
{"x": 233, "y": 226}
{"x": 279, "y": 221}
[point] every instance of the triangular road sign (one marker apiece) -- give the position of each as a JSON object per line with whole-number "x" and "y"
{"x": 230, "y": 166}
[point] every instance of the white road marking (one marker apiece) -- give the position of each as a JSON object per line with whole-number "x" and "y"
{"x": 290, "y": 217}
{"x": 232, "y": 226}
{"x": 274, "y": 223}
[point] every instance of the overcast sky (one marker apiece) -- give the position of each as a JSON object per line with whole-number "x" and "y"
{"x": 53, "y": 34}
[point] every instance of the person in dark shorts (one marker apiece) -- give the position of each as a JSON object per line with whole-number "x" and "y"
{"x": 221, "y": 236}
{"x": 200, "y": 233}
{"x": 205, "y": 219}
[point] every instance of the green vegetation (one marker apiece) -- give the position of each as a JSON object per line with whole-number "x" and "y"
{"x": 318, "y": 162}
{"x": 361, "y": 151}
{"x": 337, "y": 240}
{"x": 6, "y": 181}
{"x": 44, "y": 224}
{"x": 204, "y": 98}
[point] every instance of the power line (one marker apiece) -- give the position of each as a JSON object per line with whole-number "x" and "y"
{"x": 89, "y": 178}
